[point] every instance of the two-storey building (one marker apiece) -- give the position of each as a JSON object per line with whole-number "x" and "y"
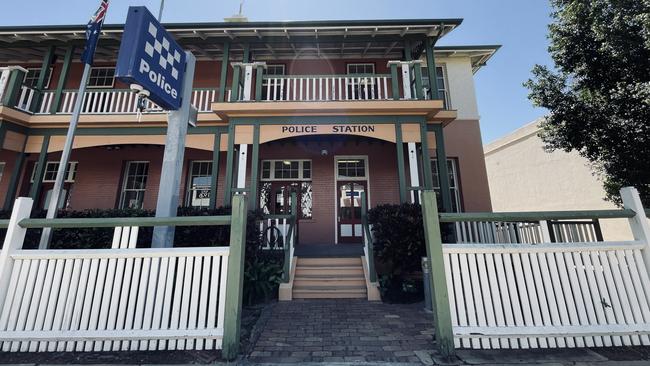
{"x": 326, "y": 109}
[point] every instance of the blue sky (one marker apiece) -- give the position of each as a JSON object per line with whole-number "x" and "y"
{"x": 520, "y": 26}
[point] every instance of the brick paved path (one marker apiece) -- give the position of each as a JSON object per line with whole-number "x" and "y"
{"x": 343, "y": 330}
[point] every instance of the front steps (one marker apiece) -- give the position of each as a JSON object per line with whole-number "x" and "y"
{"x": 329, "y": 278}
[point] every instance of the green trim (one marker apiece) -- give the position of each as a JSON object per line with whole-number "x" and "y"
{"x": 15, "y": 178}
{"x": 215, "y": 170}
{"x": 431, "y": 68}
{"x": 63, "y": 77}
{"x": 255, "y": 162}
{"x": 235, "y": 279}
{"x": 437, "y": 277}
{"x": 40, "y": 84}
{"x": 401, "y": 171}
{"x": 225, "y": 60}
{"x": 537, "y": 215}
{"x": 394, "y": 82}
{"x": 426, "y": 158}
{"x": 230, "y": 155}
{"x": 126, "y": 221}
{"x": 407, "y": 50}
{"x": 443, "y": 173}
{"x": 417, "y": 71}
{"x": 35, "y": 190}
{"x": 234, "y": 95}
{"x": 258, "y": 83}
{"x": 323, "y": 76}
{"x": 247, "y": 53}
{"x": 14, "y": 84}
{"x": 315, "y": 120}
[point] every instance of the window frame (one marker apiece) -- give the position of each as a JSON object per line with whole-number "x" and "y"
{"x": 89, "y": 86}
{"x": 455, "y": 190}
{"x": 366, "y": 175}
{"x": 38, "y": 69}
{"x": 301, "y": 170}
{"x": 70, "y": 178}
{"x": 125, "y": 178}
{"x": 444, "y": 90}
{"x": 190, "y": 175}
{"x": 372, "y": 64}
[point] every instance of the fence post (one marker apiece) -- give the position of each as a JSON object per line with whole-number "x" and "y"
{"x": 639, "y": 223}
{"x": 13, "y": 241}
{"x": 235, "y": 278}
{"x": 441, "y": 307}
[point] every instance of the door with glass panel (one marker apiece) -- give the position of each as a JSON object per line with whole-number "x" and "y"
{"x": 351, "y": 182}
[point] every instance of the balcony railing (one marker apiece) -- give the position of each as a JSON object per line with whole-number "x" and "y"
{"x": 106, "y": 101}
{"x": 317, "y": 88}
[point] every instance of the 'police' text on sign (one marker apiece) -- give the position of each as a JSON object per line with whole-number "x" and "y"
{"x": 150, "y": 57}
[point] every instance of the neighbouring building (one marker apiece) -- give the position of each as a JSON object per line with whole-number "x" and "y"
{"x": 326, "y": 109}
{"x": 525, "y": 177}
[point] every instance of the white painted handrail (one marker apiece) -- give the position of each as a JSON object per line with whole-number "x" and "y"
{"x": 325, "y": 88}
{"x": 119, "y": 102}
{"x": 25, "y": 99}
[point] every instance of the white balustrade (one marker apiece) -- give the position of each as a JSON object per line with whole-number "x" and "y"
{"x": 119, "y": 102}
{"x": 325, "y": 88}
{"x": 25, "y": 99}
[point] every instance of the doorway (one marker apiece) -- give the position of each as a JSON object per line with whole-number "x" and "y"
{"x": 351, "y": 182}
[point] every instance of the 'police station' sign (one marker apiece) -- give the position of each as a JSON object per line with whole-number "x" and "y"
{"x": 150, "y": 57}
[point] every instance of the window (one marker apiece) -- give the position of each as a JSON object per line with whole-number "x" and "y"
{"x": 134, "y": 185}
{"x": 454, "y": 187}
{"x": 101, "y": 77}
{"x": 441, "y": 78}
{"x": 286, "y": 170}
{"x": 199, "y": 184}
{"x": 348, "y": 168}
{"x": 31, "y": 78}
{"x": 273, "y": 90}
{"x": 51, "y": 167}
{"x": 361, "y": 68}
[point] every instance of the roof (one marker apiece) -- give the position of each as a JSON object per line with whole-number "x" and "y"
{"x": 513, "y": 137}
{"x": 478, "y": 54}
{"x": 267, "y": 40}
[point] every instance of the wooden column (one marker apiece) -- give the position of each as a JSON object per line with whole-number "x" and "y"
{"x": 42, "y": 78}
{"x": 255, "y": 155}
{"x": 443, "y": 172}
{"x": 426, "y": 158}
{"x": 230, "y": 157}
{"x": 12, "y": 91}
{"x": 401, "y": 171}
{"x": 394, "y": 82}
{"x": 63, "y": 77}
{"x": 259, "y": 77}
{"x": 225, "y": 61}
{"x": 234, "y": 88}
{"x": 437, "y": 278}
{"x": 14, "y": 179}
{"x": 35, "y": 189}
{"x": 215, "y": 169}
{"x": 235, "y": 278}
{"x": 431, "y": 68}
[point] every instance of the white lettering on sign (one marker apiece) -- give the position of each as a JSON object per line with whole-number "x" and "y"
{"x": 157, "y": 79}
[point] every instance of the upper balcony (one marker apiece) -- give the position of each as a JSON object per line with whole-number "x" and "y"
{"x": 336, "y": 61}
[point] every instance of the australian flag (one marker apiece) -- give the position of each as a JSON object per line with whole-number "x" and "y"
{"x": 93, "y": 30}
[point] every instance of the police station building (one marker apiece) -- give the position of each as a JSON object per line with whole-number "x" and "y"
{"x": 325, "y": 109}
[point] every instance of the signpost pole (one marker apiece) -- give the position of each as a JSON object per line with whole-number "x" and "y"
{"x": 170, "y": 177}
{"x": 65, "y": 157}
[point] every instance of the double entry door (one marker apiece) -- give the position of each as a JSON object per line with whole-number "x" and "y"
{"x": 350, "y": 229}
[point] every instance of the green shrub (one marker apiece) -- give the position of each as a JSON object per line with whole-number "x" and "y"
{"x": 262, "y": 276}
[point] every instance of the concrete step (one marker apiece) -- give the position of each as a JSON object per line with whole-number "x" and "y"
{"x": 342, "y": 281}
{"x": 329, "y": 292}
{"x": 353, "y": 261}
{"x": 328, "y": 270}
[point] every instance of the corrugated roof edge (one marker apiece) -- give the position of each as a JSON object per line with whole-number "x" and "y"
{"x": 234, "y": 25}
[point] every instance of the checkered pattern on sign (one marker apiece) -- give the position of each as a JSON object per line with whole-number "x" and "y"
{"x": 160, "y": 49}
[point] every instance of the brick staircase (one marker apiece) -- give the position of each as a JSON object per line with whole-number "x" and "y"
{"x": 329, "y": 278}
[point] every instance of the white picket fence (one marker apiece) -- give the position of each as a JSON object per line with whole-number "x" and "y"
{"x": 504, "y": 232}
{"x": 119, "y": 299}
{"x": 326, "y": 88}
{"x": 546, "y": 295}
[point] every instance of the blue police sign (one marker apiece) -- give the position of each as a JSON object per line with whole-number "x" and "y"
{"x": 150, "y": 57}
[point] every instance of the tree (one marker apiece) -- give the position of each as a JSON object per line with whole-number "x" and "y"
{"x": 598, "y": 95}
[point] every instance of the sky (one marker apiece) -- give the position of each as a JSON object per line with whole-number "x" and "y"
{"x": 520, "y": 26}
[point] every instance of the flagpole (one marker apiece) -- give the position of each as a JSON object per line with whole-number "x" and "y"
{"x": 65, "y": 157}
{"x": 92, "y": 37}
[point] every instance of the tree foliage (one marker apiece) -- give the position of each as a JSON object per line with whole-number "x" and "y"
{"x": 598, "y": 95}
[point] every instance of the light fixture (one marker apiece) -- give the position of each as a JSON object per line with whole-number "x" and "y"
{"x": 324, "y": 152}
